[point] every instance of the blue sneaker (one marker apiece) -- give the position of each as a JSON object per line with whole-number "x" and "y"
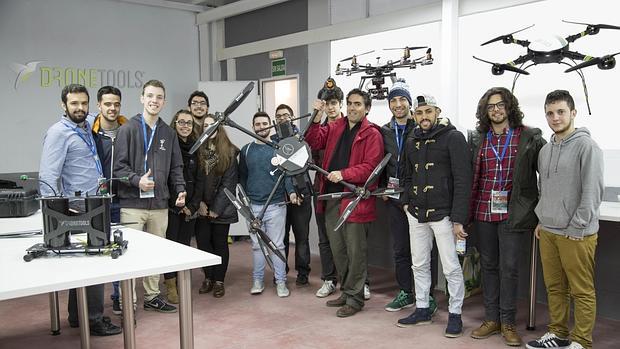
{"x": 455, "y": 326}
{"x": 421, "y": 316}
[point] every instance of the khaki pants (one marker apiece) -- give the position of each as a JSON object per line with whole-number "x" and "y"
{"x": 154, "y": 222}
{"x": 568, "y": 269}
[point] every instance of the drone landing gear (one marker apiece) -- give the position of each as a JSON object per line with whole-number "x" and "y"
{"x": 115, "y": 249}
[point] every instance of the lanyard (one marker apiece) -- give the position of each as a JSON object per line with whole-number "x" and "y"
{"x": 90, "y": 143}
{"x": 147, "y": 146}
{"x": 500, "y": 158}
{"x": 399, "y": 143}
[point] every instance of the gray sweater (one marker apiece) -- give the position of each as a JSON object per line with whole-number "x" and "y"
{"x": 571, "y": 185}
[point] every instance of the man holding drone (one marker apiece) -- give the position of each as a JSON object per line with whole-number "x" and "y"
{"x": 353, "y": 148}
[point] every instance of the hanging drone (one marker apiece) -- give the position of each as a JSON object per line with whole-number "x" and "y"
{"x": 379, "y": 72}
{"x": 553, "y": 50}
{"x": 293, "y": 158}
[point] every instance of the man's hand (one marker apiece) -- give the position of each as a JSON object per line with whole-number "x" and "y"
{"x": 320, "y": 106}
{"x": 385, "y": 197}
{"x": 186, "y": 211}
{"x": 146, "y": 184}
{"x": 406, "y": 208}
{"x": 203, "y": 209}
{"x": 459, "y": 231}
{"x": 335, "y": 176}
{"x": 181, "y": 199}
{"x": 295, "y": 200}
{"x": 537, "y": 231}
{"x": 213, "y": 215}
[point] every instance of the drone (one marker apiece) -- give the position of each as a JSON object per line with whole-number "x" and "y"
{"x": 553, "y": 50}
{"x": 379, "y": 72}
{"x": 292, "y": 158}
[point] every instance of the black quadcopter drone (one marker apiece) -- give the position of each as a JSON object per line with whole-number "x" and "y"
{"x": 293, "y": 158}
{"x": 379, "y": 72}
{"x": 553, "y": 50}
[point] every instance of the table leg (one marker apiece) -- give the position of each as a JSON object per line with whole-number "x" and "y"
{"x": 531, "y": 317}
{"x": 186, "y": 319}
{"x": 54, "y": 314}
{"x": 129, "y": 332}
{"x": 82, "y": 306}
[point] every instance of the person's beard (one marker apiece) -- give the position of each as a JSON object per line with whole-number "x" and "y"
{"x": 77, "y": 117}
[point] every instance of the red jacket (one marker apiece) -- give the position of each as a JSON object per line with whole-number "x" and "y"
{"x": 366, "y": 153}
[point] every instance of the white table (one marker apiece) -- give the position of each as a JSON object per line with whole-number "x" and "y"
{"x": 610, "y": 211}
{"x": 143, "y": 257}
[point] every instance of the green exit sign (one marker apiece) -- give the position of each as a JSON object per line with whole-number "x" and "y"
{"x": 278, "y": 67}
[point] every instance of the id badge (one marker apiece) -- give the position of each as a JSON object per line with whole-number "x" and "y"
{"x": 393, "y": 183}
{"x": 499, "y": 201}
{"x": 147, "y": 194}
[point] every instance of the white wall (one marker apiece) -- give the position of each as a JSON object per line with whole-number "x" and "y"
{"x": 130, "y": 40}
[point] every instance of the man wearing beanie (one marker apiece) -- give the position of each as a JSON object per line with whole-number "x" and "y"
{"x": 437, "y": 183}
{"x": 395, "y": 132}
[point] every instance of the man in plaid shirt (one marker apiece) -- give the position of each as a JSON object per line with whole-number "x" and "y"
{"x": 504, "y": 194}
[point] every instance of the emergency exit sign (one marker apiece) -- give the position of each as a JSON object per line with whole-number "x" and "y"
{"x": 278, "y": 67}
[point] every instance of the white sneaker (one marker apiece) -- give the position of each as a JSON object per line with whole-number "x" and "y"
{"x": 327, "y": 289}
{"x": 575, "y": 345}
{"x": 257, "y": 287}
{"x": 366, "y": 292}
{"x": 282, "y": 290}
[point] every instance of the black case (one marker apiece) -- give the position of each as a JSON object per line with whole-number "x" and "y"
{"x": 18, "y": 202}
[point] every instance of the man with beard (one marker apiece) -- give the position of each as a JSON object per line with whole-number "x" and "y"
{"x": 70, "y": 157}
{"x": 258, "y": 176}
{"x": 105, "y": 129}
{"x": 198, "y": 104}
{"x": 504, "y": 154}
{"x": 437, "y": 185}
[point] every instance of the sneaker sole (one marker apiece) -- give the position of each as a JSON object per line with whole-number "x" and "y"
{"x": 413, "y": 325}
{"x": 117, "y": 312}
{"x": 513, "y": 344}
{"x": 484, "y": 337}
{"x": 453, "y": 335}
{"x": 398, "y": 309}
{"x": 257, "y": 292}
{"x": 320, "y": 295}
{"x": 159, "y": 310}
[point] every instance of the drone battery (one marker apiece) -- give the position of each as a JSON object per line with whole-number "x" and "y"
{"x": 100, "y": 234}
{"x": 285, "y": 130}
{"x": 18, "y": 202}
{"x": 51, "y": 223}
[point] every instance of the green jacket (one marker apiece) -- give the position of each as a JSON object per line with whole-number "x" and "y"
{"x": 524, "y": 196}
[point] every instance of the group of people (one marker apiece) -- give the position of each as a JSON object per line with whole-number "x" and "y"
{"x": 500, "y": 182}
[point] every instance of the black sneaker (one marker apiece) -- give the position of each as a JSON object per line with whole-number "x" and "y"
{"x": 548, "y": 340}
{"x": 116, "y": 307}
{"x": 421, "y": 316}
{"x": 105, "y": 327}
{"x": 455, "y": 326}
{"x": 160, "y": 305}
{"x": 302, "y": 280}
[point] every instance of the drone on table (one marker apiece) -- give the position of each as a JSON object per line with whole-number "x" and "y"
{"x": 378, "y": 72}
{"x": 293, "y": 158}
{"x": 553, "y": 49}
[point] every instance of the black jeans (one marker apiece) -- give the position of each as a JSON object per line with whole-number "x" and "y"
{"x": 179, "y": 231}
{"x": 399, "y": 226}
{"x": 328, "y": 268}
{"x": 213, "y": 238}
{"x": 500, "y": 250}
{"x": 94, "y": 298}
{"x": 298, "y": 217}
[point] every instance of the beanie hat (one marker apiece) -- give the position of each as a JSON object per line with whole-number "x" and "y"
{"x": 423, "y": 100}
{"x": 400, "y": 89}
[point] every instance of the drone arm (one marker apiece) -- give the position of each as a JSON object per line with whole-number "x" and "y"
{"x": 348, "y": 185}
{"x": 523, "y": 43}
{"x": 577, "y": 56}
{"x": 271, "y": 194}
{"x": 233, "y": 124}
{"x": 520, "y": 60}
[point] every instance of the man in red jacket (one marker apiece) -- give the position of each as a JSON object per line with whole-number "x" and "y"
{"x": 353, "y": 148}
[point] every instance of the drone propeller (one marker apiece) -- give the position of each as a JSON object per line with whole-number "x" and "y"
{"x": 498, "y": 68}
{"x": 604, "y": 62}
{"x": 387, "y": 191}
{"x": 241, "y": 206}
{"x": 208, "y": 132}
{"x": 335, "y": 196}
{"x": 506, "y": 38}
{"x": 347, "y": 212}
{"x": 377, "y": 171}
{"x": 595, "y": 26}
{"x": 352, "y": 57}
{"x": 406, "y": 48}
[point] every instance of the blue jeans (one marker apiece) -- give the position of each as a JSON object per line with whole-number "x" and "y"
{"x": 273, "y": 225}
{"x": 116, "y": 218}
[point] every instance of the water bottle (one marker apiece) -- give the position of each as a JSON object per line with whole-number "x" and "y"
{"x": 461, "y": 246}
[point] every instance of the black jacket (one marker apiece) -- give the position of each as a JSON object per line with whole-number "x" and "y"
{"x": 213, "y": 194}
{"x": 390, "y": 146}
{"x": 164, "y": 160}
{"x": 437, "y": 174}
{"x": 194, "y": 180}
{"x": 524, "y": 196}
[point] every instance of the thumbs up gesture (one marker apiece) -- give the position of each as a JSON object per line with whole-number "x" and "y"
{"x": 146, "y": 181}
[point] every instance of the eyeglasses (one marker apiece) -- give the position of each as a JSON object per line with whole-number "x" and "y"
{"x": 184, "y": 123}
{"x": 283, "y": 116}
{"x": 196, "y": 104}
{"x": 499, "y": 105}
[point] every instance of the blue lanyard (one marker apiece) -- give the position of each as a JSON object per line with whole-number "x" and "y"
{"x": 399, "y": 143}
{"x": 500, "y": 158}
{"x": 147, "y": 146}
{"x": 90, "y": 143}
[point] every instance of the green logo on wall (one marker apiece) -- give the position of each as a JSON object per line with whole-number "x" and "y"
{"x": 278, "y": 67}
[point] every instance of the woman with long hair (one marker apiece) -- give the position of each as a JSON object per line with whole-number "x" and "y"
{"x": 181, "y": 220}
{"x": 218, "y": 158}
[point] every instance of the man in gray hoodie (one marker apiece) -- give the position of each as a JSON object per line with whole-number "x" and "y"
{"x": 571, "y": 191}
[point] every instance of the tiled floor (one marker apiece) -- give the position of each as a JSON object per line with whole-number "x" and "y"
{"x": 239, "y": 320}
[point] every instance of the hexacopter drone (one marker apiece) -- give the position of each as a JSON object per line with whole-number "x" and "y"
{"x": 553, "y": 50}
{"x": 292, "y": 158}
{"x": 379, "y": 72}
